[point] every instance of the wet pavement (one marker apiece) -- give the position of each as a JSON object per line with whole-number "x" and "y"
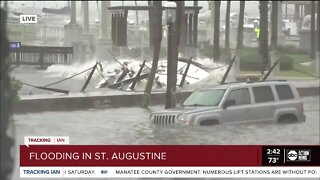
{"x": 131, "y": 126}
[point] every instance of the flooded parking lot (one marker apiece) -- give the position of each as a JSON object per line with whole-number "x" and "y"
{"x": 132, "y": 126}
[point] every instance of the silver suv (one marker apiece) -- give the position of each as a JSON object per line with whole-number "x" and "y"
{"x": 276, "y": 101}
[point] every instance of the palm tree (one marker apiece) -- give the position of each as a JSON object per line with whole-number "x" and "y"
{"x": 318, "y": 27}
{"x": 195, "y": 40}
{"x": 137, "y": 13}
{"x": 313, "y": 31}
{"x": 150, "y": 12}
{"x": 240, "y": 26}
{"x": 227, "y": 31}
{"x": 263, "y": 38}
{"x": 156, "y": 22}
{"x": 274, "y": 25}
{"x": 179, "y": 20}
{"x": 216, "y": 38}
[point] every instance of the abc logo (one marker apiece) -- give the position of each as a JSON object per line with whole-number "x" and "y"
{"x": 292, "y": 155}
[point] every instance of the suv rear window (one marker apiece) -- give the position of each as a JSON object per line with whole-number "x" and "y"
{"x": 284, "y": 92}
{"x": 263, "y": 94}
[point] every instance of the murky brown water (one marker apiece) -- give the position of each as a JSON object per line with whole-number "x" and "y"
{"x": 131, "y": 126}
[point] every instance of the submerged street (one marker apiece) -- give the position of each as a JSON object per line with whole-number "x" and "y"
{"x": 82, "y": 70}
{"x": 120, "y": 126}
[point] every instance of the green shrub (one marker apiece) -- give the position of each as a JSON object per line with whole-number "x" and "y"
{"x": 286, "y": 62}
{"x": 291, "y": 49}
{"x": 250, "y": 60}
{"x": 207, "y": 51}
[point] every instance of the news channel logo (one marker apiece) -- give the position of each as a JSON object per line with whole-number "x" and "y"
{"x": 298, "y": 155}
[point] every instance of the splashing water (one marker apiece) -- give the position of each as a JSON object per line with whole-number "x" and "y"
{"x": 112, "y": 68}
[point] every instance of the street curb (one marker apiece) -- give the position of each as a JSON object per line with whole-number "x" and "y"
{"x": 109, "y": 101}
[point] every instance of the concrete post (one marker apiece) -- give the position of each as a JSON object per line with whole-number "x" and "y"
{"x": 297, "y": 15}
{"x": 83, "y": 56}
{"x": 86, "y": 37}
{"x": 73, "y": 31}
{"x": 104, "y": 42}
{"x": 73, "y": 14}
{"x": 85, "y": 16}
{"x": 105, "y": 20}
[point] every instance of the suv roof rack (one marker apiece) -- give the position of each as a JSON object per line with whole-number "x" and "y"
{"x": 277, "y": 80}
{"x": 234, "y": 82}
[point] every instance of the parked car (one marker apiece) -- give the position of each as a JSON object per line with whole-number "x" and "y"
{"x": 276, "y": 101}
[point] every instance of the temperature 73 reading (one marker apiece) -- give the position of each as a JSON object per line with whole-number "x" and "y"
{"x": 273, "y": 160}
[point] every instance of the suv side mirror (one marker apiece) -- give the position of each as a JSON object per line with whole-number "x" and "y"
{"x": 228, "y": 103}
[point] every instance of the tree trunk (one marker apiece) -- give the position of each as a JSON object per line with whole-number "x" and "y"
{"x": 137, "y": 13}
{"x": 156, "y": 21}
{"x": 195, "y": 25}
{"x": 211, "y": 7}
{"x": 170, "y": 64}
{"x": 7, "y": 161}
{"x": 227, "y": 31}
{"x": 313, "y": 32}
{"x": 177, "y": 36}
{"x": 274, "y": 25}
{"x": 151, "y": 29}
{"x": 183, "y": 32}
{"x": 263, "y": 38}
{"x": 240, "y": 26}
{"x": 216, "y": 36}
{"x": 318, "y": 27}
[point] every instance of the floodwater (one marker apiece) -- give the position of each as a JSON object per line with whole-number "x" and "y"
{"x": 119, "y": 126}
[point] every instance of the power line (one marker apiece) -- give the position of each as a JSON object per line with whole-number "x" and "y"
{"x": 69, "y": 77}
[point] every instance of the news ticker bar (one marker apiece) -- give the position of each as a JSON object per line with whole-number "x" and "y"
{"x": 169, "y": 172}
{"x": 168, "y": 155}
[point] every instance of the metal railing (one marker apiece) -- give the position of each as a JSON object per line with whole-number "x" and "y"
{"x": 41, "y": 55}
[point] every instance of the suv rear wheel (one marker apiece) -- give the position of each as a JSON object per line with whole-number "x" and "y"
{"x": 287, "y": 118}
